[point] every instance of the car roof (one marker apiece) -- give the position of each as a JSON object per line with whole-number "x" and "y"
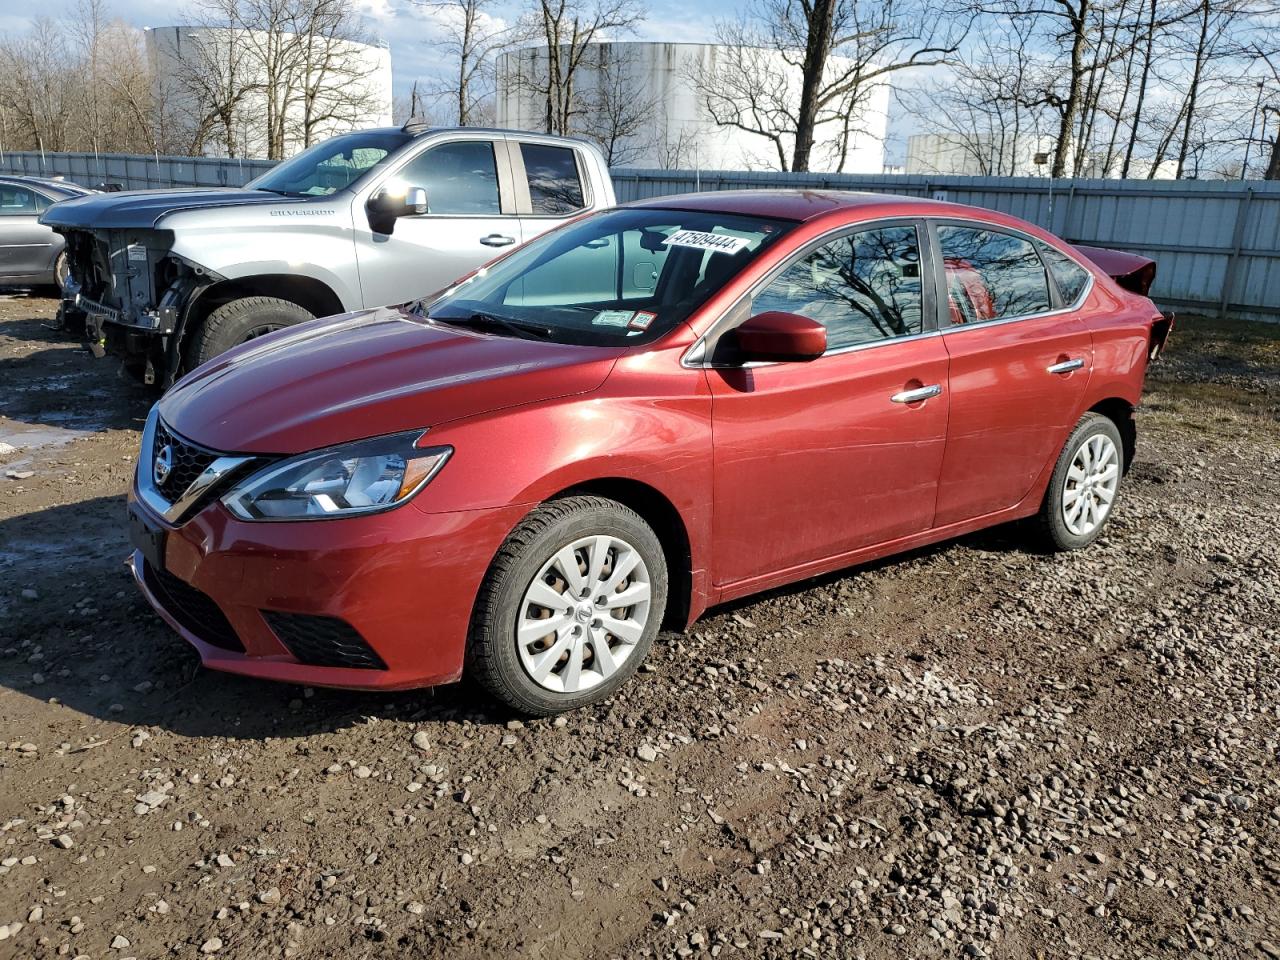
{"x": 802, "y": 205}
{"x": 45, "y": 183}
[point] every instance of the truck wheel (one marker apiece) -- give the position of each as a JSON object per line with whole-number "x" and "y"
{"x": 239, "y": 321}
{"x": 569, "y": 608}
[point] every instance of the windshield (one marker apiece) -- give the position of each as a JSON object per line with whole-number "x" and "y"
{"x": 331, "y": 166}
{"x": 619, "y": 277}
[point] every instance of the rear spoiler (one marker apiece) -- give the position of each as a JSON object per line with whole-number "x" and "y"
{"x": 1130, "y": 270}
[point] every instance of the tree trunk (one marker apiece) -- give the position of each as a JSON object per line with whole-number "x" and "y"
{"x": 1273, "y": 167}
{"x": 817, "y": 48}
{"x": 1062, "y": 151}
{"x": 1195, "y": 87}
{"x": 1142, "y": 91}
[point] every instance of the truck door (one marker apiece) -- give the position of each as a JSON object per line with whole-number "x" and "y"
{"x": 470, "y": 219}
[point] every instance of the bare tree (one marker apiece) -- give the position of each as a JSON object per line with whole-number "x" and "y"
{"x": 216, "y": 77}
{"x": 272, "y": 75}
{"x": 616, "y": 114}
{"x": 331, "y": 80}
{"x": 473, "y": 37}
{"x": 568, "y": 29}
{"x": 34, "y": 94}
{"x": 985, "y": 108}
{"x": 1261, "y": 45}
{"x": 822, "y": 61}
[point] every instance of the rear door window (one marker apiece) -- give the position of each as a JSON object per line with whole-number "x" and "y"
{"x": 555, "y": 187}
{"x": 461, "y": 178}
{"x": 17, "y": 202}
{"x": 991, "y": 275}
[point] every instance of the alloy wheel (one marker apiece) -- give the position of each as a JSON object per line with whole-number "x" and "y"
{"x": 583, "y": 614}
{"x": 1090, "y": 485}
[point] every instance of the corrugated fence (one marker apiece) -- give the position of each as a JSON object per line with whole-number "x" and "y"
{"x": 1217, "y": 243}
{"x": 135, "y": 171}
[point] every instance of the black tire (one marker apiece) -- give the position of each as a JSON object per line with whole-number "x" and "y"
{"x": 492, "y": 656}
{"x": 239, "y": 321}
{"x": 1054, "y": 533}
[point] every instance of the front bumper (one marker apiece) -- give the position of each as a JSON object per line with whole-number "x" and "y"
{"x": 400, "y": 585}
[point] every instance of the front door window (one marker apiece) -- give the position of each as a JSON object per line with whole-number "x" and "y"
{"x": 862, "y": 287}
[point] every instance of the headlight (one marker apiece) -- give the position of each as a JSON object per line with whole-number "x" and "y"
{"x": 356, "y": 478}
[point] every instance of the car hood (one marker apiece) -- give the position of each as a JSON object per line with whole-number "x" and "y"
{"x": 142, "y": 209}
{"x": 365, "y": 374}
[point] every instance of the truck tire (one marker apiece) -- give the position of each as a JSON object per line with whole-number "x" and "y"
{"x": 241, "y": 320}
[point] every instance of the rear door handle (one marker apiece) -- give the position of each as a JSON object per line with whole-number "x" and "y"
{"x": 1066, "y": 366}
{"x": 497, "y": 240}
{"x": 918, "y": 394}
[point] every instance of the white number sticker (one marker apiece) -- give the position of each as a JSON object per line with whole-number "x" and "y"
{"x": 715, "y": 242}
{"x": 612, "y": 318}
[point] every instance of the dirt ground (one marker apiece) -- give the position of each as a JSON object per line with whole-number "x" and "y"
{"x": 973, "y": 750}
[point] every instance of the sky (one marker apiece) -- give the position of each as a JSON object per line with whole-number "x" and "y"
{"x": 410, "y": 29}
{"x": 413, "y": 30}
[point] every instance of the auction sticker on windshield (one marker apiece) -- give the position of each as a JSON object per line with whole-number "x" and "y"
{"x": 715, "y": 242}
{"x": 612, "y": 318}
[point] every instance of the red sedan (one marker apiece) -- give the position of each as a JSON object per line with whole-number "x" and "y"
{"x": 647, "y": 412}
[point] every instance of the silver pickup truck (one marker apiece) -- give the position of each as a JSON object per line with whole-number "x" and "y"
{"x": 170, "y": 278}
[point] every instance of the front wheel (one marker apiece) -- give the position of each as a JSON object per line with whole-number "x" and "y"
{"x": 569, "y": 607}
{"x": 1083, "y": 488}
{"x": 239, "y": 321}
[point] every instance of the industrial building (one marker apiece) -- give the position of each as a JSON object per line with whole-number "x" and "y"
{"x": 646, "y": 100}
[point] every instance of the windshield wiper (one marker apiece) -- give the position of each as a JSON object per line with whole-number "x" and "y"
{"x": 490, "y": 321}
{"x": 282, "y": 193}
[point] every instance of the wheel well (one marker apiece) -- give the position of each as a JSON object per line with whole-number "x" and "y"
{"x": 666, "y": 522}
{"x": 1120, "y": 412}
{"x": 312, "y": 295}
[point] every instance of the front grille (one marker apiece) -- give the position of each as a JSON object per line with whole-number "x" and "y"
{"x": 189, "y": 461}
{"x": 193, "y": 609}
{"x": 323, "y": 641}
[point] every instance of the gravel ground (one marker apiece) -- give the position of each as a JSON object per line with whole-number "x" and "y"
{"x": 972, "y": 750}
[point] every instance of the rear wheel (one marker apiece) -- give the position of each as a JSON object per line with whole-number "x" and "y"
{"x": 1084, "y": 485}
{"x": 238, "y": 322}
{"x": 569, "y": 607}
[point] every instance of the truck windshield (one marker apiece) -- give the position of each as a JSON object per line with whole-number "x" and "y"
{"x": 332, "y": 165}
{"x": 618, "y": 277}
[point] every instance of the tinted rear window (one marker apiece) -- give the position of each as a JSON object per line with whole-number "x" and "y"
{"x": 554, "y": 185}
{"x": 1070, "y": 277}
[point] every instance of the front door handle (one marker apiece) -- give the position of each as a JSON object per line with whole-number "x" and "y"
{"x": 497, "y": 240}
{"x": 918, "y": 394}
{"x": 1066, "y": 366}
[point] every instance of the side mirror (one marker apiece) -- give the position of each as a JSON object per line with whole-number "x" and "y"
{"x": 780, "y": 337}
{"x": 392, "y": 201}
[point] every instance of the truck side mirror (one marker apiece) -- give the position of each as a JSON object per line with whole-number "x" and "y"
{"x": 392, "y": 201}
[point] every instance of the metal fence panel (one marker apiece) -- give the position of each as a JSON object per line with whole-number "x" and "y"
{"x": 1217, "y": 243}
{"x": 135, "y": 172}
